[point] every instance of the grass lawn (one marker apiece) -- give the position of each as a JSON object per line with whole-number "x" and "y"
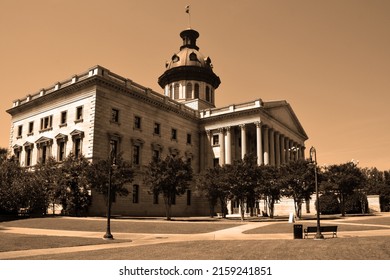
{"x": 367, "y": 248}
{"x": 16, "y": 242}
{"x": 125, "y": 226}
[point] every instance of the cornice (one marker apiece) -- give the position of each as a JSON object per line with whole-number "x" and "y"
{"x": 89, "y": 82}
{"x": 143, "y": 96}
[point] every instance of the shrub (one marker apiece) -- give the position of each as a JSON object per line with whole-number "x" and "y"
{"x": 329, "y": 204}
{"x": 356, "y": 203}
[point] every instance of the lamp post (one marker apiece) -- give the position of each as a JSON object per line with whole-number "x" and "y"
{"x": 108, "y": 235}
{"x": 313, "y": 159}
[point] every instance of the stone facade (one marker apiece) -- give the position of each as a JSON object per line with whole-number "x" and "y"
{"x": 87, "y": 112}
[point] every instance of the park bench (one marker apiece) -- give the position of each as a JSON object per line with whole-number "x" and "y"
{"x": 24, "y": 212}
{"x": 323, "y": 229}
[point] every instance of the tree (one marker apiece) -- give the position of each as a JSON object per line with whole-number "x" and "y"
{"x": 374, "y": 180}
{"x": 3, "y": 154}
{"x": 11, "y": 186}
{"x": 384, "y": 194}
{"x": 212, "y": 184}
{"x": 242, "y": 178}
{"x": 299, "y": 182}
{"x": 345, "y": 178}
{"x": 169, "y": 177}
{"x": 46, "y": 184}
{"x": 75, "y": 189}
{"x": 269, "y": 186}
{"x": 121, "y": 174}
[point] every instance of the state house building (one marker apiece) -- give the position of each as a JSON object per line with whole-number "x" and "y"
{"x": 87, "y": 112}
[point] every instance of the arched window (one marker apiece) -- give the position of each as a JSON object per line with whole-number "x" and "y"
{"x": 189, "y": 91}
{"x": 176, "y": 91}
{"x": 196, "y": 91}
{"x": 193, "y": 57}
{"x": 175, "y": 58}
{"x": 208, "y": 93}
{"x": 170, "y": 94}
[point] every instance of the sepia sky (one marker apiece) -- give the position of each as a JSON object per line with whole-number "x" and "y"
{"x": 329, "y": 59}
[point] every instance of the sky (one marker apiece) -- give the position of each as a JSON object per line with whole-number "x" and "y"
{"x": 329, "y": 59}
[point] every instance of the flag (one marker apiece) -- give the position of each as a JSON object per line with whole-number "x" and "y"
{"x": 188, "y": 9}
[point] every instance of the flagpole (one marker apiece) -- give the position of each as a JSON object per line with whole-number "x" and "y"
{"x": 189, "y": 15}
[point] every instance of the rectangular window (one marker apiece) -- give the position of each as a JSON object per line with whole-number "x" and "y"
{"x": 20, "y": 130}
{"x": 43, "y": 154}
{"x": 137, "y": 122}
{"x": 189, "y": 139}
{"x": 136, "y": 155}
{"x": 216, "y": 139}
{"x": 115, "y": 115}
{"x": 174, "y": 134}
{"x": 157, "y": 128}
{"x": 79, "y": 113}
{"x": 216, "y": 162}
{"x": 188, "y": 197}
{"x": 156, "y": 155}
{"x": 46, "y": 123}
{"x": 77, "y": 147}
{"x": 135, "y": 194}
{"x": 61, "y": 151}
{"x": 28, "y": 157}
{"x": 113, "y": 150}
{"x": 17, "y": 153}
{"x": 64, "y": 115}
{"x": 30, "y": 128}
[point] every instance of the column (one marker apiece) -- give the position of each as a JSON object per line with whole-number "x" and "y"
{"x": 303, "y": 152}
{"x": 208, "y": 152}
{"x": 266, "y": 146}
{"x": 277, "y": 149}
{"x": 282, "y": 149}
{"x": 202, "y": 153}
{"x": 228, "y": 146}
{"x": 221, "y": 146}
{"x": 243, "y": 140}
{"x": 272, "y": 147}
{"x": 259, "y": 147}
{"x": 287, "y": 150}
{"x": 295, "y": 151}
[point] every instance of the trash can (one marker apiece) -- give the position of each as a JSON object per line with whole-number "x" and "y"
{"x": 298, "y": 231}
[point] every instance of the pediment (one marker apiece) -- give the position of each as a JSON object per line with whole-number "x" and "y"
{"x": 77, "y": 133}
{"x": 44, "y": 139}
{"x": 61, "y": 136}
{"x": 283, "y": 113}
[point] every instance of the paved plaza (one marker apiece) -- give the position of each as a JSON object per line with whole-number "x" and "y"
{"x": 227, "y": 230}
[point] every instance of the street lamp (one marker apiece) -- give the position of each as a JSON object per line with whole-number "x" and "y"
{"x": 112, "y": 162}
{"x": 313, "y": 159}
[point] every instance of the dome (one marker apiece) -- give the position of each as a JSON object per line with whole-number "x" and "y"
{"x": 189, "y": 57}
{"x": 189, "y": 63}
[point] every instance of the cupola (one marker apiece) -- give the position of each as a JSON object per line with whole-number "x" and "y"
{"x": 189, "y": 77}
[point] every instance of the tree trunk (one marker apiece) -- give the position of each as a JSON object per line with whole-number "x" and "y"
{"x": 211, "y": 204}
{"x": 342, "y": 202}
{"x": 223, "y": 207}
{"x": 168, "y": 203}
{"x": 242, "y": 210}
{"x": 307, "y": 201}
{"x": 271, "y": 205}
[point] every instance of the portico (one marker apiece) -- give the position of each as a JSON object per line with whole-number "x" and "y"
{"x": 268, "y": 130}
{"x": 271, "y": 145}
